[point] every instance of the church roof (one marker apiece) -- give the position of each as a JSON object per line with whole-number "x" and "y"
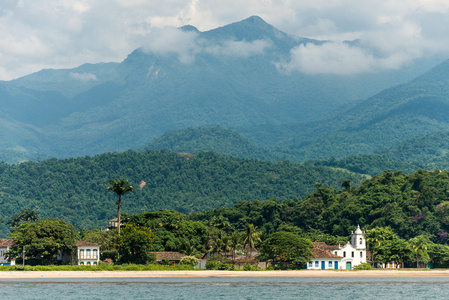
{"x": 322, "y": 250}
{"x": 358, "y": 231}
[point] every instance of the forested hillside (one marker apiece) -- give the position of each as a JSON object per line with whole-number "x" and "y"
{"x": 211, "y": 138}
{"x": 411, "y": 204}
{"x": 74, "y": 189}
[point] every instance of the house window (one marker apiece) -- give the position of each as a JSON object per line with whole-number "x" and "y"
{"x": 352, "y": 254}
{"x": 361, "y": 254}
{"x": 82, "y": 253}
{"x": 316, "y": 264}
{"x": 344, "y": 253}
{"x": 95, "y": 253}
{"x": 88, "y": 253}
{"x": 310, "y": 264}
{"x": 330, "y": 265}
{"x": 82, "y": 263}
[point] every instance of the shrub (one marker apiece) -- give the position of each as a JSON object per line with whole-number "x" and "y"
{"x": 246, "y": 267}
{"x": 363, "y": 266}
{"x": 212, "y": 265}
{"x": 189, "y": 260}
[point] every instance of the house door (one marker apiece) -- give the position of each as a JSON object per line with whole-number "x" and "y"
{"x": 323, "y": 265}
{"x": 336, "y": 265}
{"x": 348, "y": 265}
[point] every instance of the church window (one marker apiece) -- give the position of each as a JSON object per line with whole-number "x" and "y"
{"x": 352, "y": 254}
{"x": 361, "y": 241}
{"x": 361, "y": 254}
{"x": 344, "y": 253}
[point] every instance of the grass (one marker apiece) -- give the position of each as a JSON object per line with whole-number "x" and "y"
{"x": 100, "y": 267}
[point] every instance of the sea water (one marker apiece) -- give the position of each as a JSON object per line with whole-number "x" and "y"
{"x": 227, "y": 288}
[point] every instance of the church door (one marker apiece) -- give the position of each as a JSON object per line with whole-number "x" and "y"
{"x": 348, "y": 265}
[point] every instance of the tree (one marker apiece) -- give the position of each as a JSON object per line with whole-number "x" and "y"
{"x": 376, "y": 237}
{"x": 135, "y": 244}
{"x": 287, "y": 248}
{"x": 235, "y": 240}
{"x": 24, "y": 215}
{"x": 43, "y": 240}
{"x": 252, "y": 236}
{"x": 120, "y": 186}
{"x": 418, "y": 245}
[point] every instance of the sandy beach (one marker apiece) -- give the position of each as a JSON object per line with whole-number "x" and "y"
{"x": 207, "y": 273}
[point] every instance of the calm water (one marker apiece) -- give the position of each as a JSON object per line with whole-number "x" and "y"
{"x": 227, "y": 288}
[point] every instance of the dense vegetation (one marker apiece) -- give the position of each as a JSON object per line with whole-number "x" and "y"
{"x": 75, "y": 189}
{"x": 211, "y": 138}
{"x": 411, "y": 204}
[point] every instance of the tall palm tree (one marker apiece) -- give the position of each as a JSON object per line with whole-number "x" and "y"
{"x": 119, "y": 186}
{"x": 235, "y": 238}
{"x": 251, "y": 236}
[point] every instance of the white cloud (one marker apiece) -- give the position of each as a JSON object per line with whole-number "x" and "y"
{"x": 187, "y": 45}
{"x": 67, "y": 33}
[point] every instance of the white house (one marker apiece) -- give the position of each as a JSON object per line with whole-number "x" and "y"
{"x": 5, "y": 245}
{"x": 87, "y": 253}
{"x": 340, "y": 257}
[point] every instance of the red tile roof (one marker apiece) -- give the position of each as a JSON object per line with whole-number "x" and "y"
{"x": 169, "y": 255}
{"x": 6, "y": 242}
{"x": 322, "y": 250}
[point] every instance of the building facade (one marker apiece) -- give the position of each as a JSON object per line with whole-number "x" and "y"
{"x": 339, "y": 257}
{"x": 87, "y": 253}
{"x": 5, "y": 245}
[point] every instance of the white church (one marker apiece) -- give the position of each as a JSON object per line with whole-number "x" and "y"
{"x": 339, "y": 257}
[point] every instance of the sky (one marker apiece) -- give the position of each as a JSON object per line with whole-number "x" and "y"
{"x": 67, "y": 33}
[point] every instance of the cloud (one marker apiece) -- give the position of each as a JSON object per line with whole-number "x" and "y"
{"x": 83, "y": 76}
{"x": 67, "y": 33}
{"x": 167, "y": 41}
{"x": 186, "y": 45}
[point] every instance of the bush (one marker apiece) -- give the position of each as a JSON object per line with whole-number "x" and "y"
{"x": 212, "y": 265}
{"x": 363, "y": 266}
{"x": 246, "y": 267}
{"x": 189, "y": 260}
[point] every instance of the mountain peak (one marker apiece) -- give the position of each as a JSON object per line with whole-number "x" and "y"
{"x": 250, "y": 29}
{"x": 188, "y": 28}
{"x": 256, "y": 20}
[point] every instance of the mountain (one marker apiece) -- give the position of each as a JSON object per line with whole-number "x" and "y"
{"x": 398, "y": 114}
{"x": 227, "y": 76}
{"x": 216, "y": 139}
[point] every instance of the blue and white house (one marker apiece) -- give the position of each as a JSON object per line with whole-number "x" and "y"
{"x": 340, "y": 257}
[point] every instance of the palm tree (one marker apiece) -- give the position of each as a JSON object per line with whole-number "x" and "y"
{"x": 251, "y": 236}
{"x": 235, "y": 238}
{"x": 120, "y": 187}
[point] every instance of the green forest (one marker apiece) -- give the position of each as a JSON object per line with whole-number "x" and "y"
{"x": 74, "y": 189}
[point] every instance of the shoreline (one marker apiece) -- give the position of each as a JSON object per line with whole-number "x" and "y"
{"x": 214, "y": 273}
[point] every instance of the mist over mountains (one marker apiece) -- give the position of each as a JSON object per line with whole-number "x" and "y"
{"x": 235, "y": 76}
